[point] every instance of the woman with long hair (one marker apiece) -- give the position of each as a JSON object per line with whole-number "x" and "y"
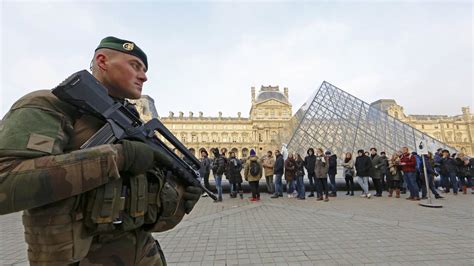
{"x": 394, "y": 174}
{"x": 290, "y": 170}
{"x": 348, "y": 166}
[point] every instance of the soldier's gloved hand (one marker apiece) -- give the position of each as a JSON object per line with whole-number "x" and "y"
{"x": 137, "y": 157}
{"x": 191, "y": 196}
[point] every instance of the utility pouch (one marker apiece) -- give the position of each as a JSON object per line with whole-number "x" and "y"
{"x": 155, "y": 179}
{"x": 103, "y": 207}
{"x": 135, "y": 203}
{"x": 171, "y": 201}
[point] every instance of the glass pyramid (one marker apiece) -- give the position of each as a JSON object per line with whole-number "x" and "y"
{"x": 337, "y": 121}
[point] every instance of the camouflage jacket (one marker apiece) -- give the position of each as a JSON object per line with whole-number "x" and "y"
{"x": 43, "y": 172}
{"x": 39, "y": 158}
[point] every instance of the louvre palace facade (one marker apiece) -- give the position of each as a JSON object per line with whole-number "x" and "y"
{"x": 270, "y": 112}
{"x": 271, "y": 123}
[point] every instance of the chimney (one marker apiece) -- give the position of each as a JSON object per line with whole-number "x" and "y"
{"x": 466, "y": 110}
{"x": 220, "y": 114}
{"x": 200, "y": 114}
{"x": 253, "y": 94}
{"x": 285, "y": 91}
{"x": 181, "y": 114}
{"x": 190, "y": 114}
{"x": 238, "y": 114}
{"x": 171, "y": 114}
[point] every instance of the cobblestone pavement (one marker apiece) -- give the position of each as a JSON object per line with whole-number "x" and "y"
{"x": 344, "y": 231}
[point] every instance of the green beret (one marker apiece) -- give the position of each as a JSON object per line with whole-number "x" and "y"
{"x": 123, "y": 46}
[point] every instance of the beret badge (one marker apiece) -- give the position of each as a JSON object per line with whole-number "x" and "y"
{"x": 128, "y": 46}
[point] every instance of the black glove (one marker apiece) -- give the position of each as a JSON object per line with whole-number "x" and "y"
{"x": 191, "y": 197}
{"x": 137, "y": 156}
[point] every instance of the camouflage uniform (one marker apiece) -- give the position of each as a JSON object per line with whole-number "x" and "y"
{"x": 71, "y": 196}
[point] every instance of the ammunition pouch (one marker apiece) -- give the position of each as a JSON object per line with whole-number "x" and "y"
{"x": 61, "y": 233}
{"x": 171, "y": 206}
{"x": 152, "y": 201}
{"x": 117, "y": 206}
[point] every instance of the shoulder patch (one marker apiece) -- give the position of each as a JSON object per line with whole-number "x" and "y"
{"x": 39, "y": 142}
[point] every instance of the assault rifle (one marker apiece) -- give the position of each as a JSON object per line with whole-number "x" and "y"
{"x": 86, "y": 93}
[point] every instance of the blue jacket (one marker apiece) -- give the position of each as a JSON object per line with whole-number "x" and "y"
{"x": 429, "y": 166}
{"x": 279, "y": 166}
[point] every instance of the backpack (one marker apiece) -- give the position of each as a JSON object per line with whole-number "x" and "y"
{"x": 215, "y": 165}
{"x": 471, "y": 167}
{"x": 254, "y": 168}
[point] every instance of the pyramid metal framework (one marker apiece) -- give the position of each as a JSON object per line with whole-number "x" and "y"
{"x": 337, "y": 121}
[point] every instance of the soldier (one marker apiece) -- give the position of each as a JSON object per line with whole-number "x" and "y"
{"x": 94, "y": 206}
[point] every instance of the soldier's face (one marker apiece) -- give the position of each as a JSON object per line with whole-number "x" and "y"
{"x": 125, "y": 76}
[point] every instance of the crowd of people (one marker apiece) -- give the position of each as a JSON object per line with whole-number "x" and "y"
{"x": 401, "y": 173}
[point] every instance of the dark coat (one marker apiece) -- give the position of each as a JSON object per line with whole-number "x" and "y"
{"x": 462, "y": 169}
{"x": 309, "y": 163}
{"x": 384, "y": 166}
{"x": 471, "y": 167}
{"x": 299, "y": 168}
{"x": 363, "y": 165}
{"x": 279, "y": 166}
{"x": 447, "y": 166}
{"x": 377, "y": 164}
{"x": 218, "y": 166}
{"x": 234, "y": 167}
{"x": 429, "y": 167}
{"x": 290, "y": 169}
{"x": 205, "y": 166}
{"x": 332, "y": 170}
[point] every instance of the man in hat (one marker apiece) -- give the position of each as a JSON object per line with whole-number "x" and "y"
{"x": 92, "y": 206}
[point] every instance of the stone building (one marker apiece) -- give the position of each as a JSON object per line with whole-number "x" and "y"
{"x": 456, "y": 131}
{"x": 269, "y": 114}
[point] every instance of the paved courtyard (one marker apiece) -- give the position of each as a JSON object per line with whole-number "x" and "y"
{"x": 344, "y": 231}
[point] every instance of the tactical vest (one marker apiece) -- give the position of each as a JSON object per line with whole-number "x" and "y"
{"x": 61, "y": 233}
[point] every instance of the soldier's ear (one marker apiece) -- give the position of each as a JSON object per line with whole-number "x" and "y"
{"x": 101, "y": 61}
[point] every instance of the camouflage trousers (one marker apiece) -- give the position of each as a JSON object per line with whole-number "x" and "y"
{"x": 127, "y": 248}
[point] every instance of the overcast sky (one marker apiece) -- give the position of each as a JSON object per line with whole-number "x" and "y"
{"x": 205, "y": 56}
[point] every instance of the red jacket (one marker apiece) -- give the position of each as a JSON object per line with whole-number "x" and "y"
{"x": 410, "y": 162}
